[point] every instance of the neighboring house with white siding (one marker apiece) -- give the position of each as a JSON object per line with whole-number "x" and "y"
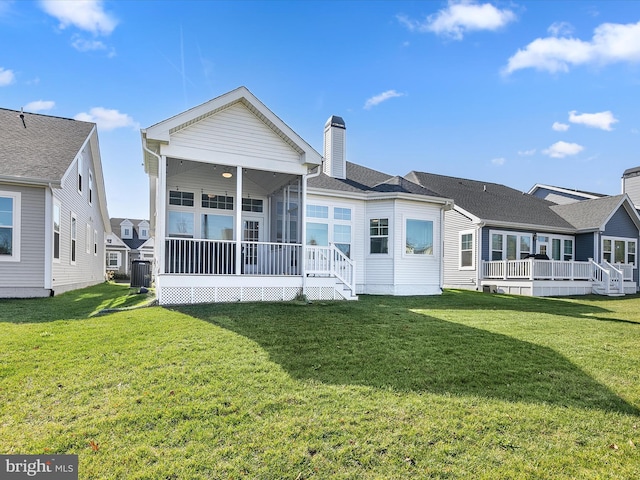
{"x": 500, "y": 238}
{"x": 129, "y": 240}
{"x": 562, "y": 195}
{"x": 53, "y": 212}
{"x": 242, "y": 209}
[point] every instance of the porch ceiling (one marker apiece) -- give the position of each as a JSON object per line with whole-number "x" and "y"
{"x": 269, "y": 181}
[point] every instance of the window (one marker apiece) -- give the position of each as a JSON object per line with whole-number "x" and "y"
{"x": 90, "y": 189}
{"x": 419, "y": 237}
{"x": 317, "y": 211}
{"x": 510, "y": 245}
{"x": 342, "y": 213}
{"x": 466, "y": 250}
{"x": 619, "y": 250}
{"x": 74, "y": 239}
{"x": 251, "y": 205}
{"x": 80, "y": 174}
{"x": 127, "y": 230}
{"x": 144, "y": 233}
{"x": 56, "y": 231}
{"x": 113, "y": 260}
{"x": 342, "y": 238}
{"x": 379, "y": 235}
{"x": 317, "y": 234}
{"x": 568, "y": 250}
{"x": 95, "y": 242}
{"x": 10, "y": 226}
{"x": 287, "y": 223}
{"x": 221, "y": 202}
{"x": 180, "y": 224}
{"x": 184, "y": 199}
{"x": 217, "y": 227}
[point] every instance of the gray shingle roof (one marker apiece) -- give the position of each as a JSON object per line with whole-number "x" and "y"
{"x": 133, "y": 243}
{"x": 44, "y": 149}
{"x": 588, "y": 214}
{"x": 492, "y": 202}
{"x": 366, "y": 180}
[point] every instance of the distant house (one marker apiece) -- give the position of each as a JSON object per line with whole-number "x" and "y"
{"x": 53, "y": 211}
{"x": 499, "y": 238}
{"x": 243, "y": 209}
{"x": 561, "y": 195}
{"x": 129, "y": 240}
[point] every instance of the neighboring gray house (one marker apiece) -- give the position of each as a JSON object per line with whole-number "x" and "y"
{"x": 494, "y": 233}
{"x": 53, "y": 212}
{"x": 561, "y": 195}
{"x": 129, "y": 240}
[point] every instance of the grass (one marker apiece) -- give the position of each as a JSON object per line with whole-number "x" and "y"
{"x": 464, "y": 385}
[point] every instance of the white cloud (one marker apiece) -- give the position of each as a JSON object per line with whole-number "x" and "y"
{"x": 563, "y": 149}
{"x": 107, "y": 119}
{"x": 498, "y": 161}
{"x": 83, "y": 45}
{"x": 39, "y": 105}
{"x": 611, "y": 42}
{"x": 527, "y": 153}
{"x": 7, "y": 77}
{"x": 560, "y": 127}
{"x": 460, "y": 17}
{"x": 87, "y": 15}
{"x": 382, "y": 97}
{"x": 601, "y": 120}
{"x": 560, "y": 29}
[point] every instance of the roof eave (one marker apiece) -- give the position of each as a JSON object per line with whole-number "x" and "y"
{"x": 39, "y": 182}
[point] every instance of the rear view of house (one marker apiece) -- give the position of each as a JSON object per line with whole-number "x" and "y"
{"x": 53, "y": 212}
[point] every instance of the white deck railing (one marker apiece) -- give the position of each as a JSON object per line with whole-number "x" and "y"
{"x": 218, "y": 257}
{"x": 532, "y": 269}
{"x": 331, "y": 261}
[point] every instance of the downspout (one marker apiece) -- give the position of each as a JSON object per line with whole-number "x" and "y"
{"x": 442, "y": 246}
{"x": 303, "y": 230}
{"x": 48, "y": 240}
{"x": 478, "y": 255}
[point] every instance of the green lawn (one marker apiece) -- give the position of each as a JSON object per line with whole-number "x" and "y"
{"x": 464, "y": 385}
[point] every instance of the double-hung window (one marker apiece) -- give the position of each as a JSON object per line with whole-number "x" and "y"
{"x": 10, "y": 226}
{"x": 56, "y": 231}
{"x": 619, "y": 250}
{"x": 74, "y": 238}
{"x": 466, "y": 250}
{"x": 378, "y": 235}
{"x": 510, "y": 245}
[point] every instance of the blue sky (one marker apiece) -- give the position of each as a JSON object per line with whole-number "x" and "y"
{"x": 514, "y": 92}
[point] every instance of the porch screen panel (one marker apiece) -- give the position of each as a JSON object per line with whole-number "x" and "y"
{"x": 620, "y": 255}
{"x": 512, "y": 245}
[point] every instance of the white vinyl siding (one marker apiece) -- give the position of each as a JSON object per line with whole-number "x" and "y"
{"x": 456, "y": 276}
{"x": 234, "y": 131}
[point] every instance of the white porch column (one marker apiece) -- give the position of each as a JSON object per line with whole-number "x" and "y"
{"x": 303, "y": 229}
{"x": 161, "y": 215}
{"x": 238, "y": 226}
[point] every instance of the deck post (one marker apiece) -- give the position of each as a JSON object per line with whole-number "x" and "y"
{"x": 531, "y": 267}
{"x": 504, "y": 269}
{"x": 238, "y": 220}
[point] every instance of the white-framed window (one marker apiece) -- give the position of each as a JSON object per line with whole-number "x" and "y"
{"x": 467, "y": 250}
{"x": 57, "y": 217}
{"x": 619, "y": 250}
{"x": 80, "y": 172}
{"x": 317, "y": 211}
{"x": 184, "y": 199}
{"x": 74, "y": 238}
{"x": 318, "y": 234}
{"x": 95, "y": 242}
{"x": 556, "y": 247}
{"x": 127, "y": 231}
{"x": 90, "y": 189}
{"x": 144, "y": 233}
{"x": 342, "y": 238}
{"x": 180, "y": 224}
{"x": 418, "y": 237}
{"x": 341, "y": 213}
{"x": 510, "y": 245}
{"x": 10, "y": 210}
{"x": 378, "y": 236}
{"x": 216, "y": 227}
{"x": 113, "y": 260}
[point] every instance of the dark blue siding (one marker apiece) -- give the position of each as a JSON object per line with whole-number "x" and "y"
{"x": 621, "y": 225}
{"x": 584, "y": 247}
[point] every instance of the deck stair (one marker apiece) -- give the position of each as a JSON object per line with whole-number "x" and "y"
{"x": 607, "y": 280}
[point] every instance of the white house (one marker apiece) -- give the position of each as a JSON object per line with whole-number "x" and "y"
{"x": 129, "y": 240}
{"x": 242, "y": 209}
{"x": 53, "y": 211}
